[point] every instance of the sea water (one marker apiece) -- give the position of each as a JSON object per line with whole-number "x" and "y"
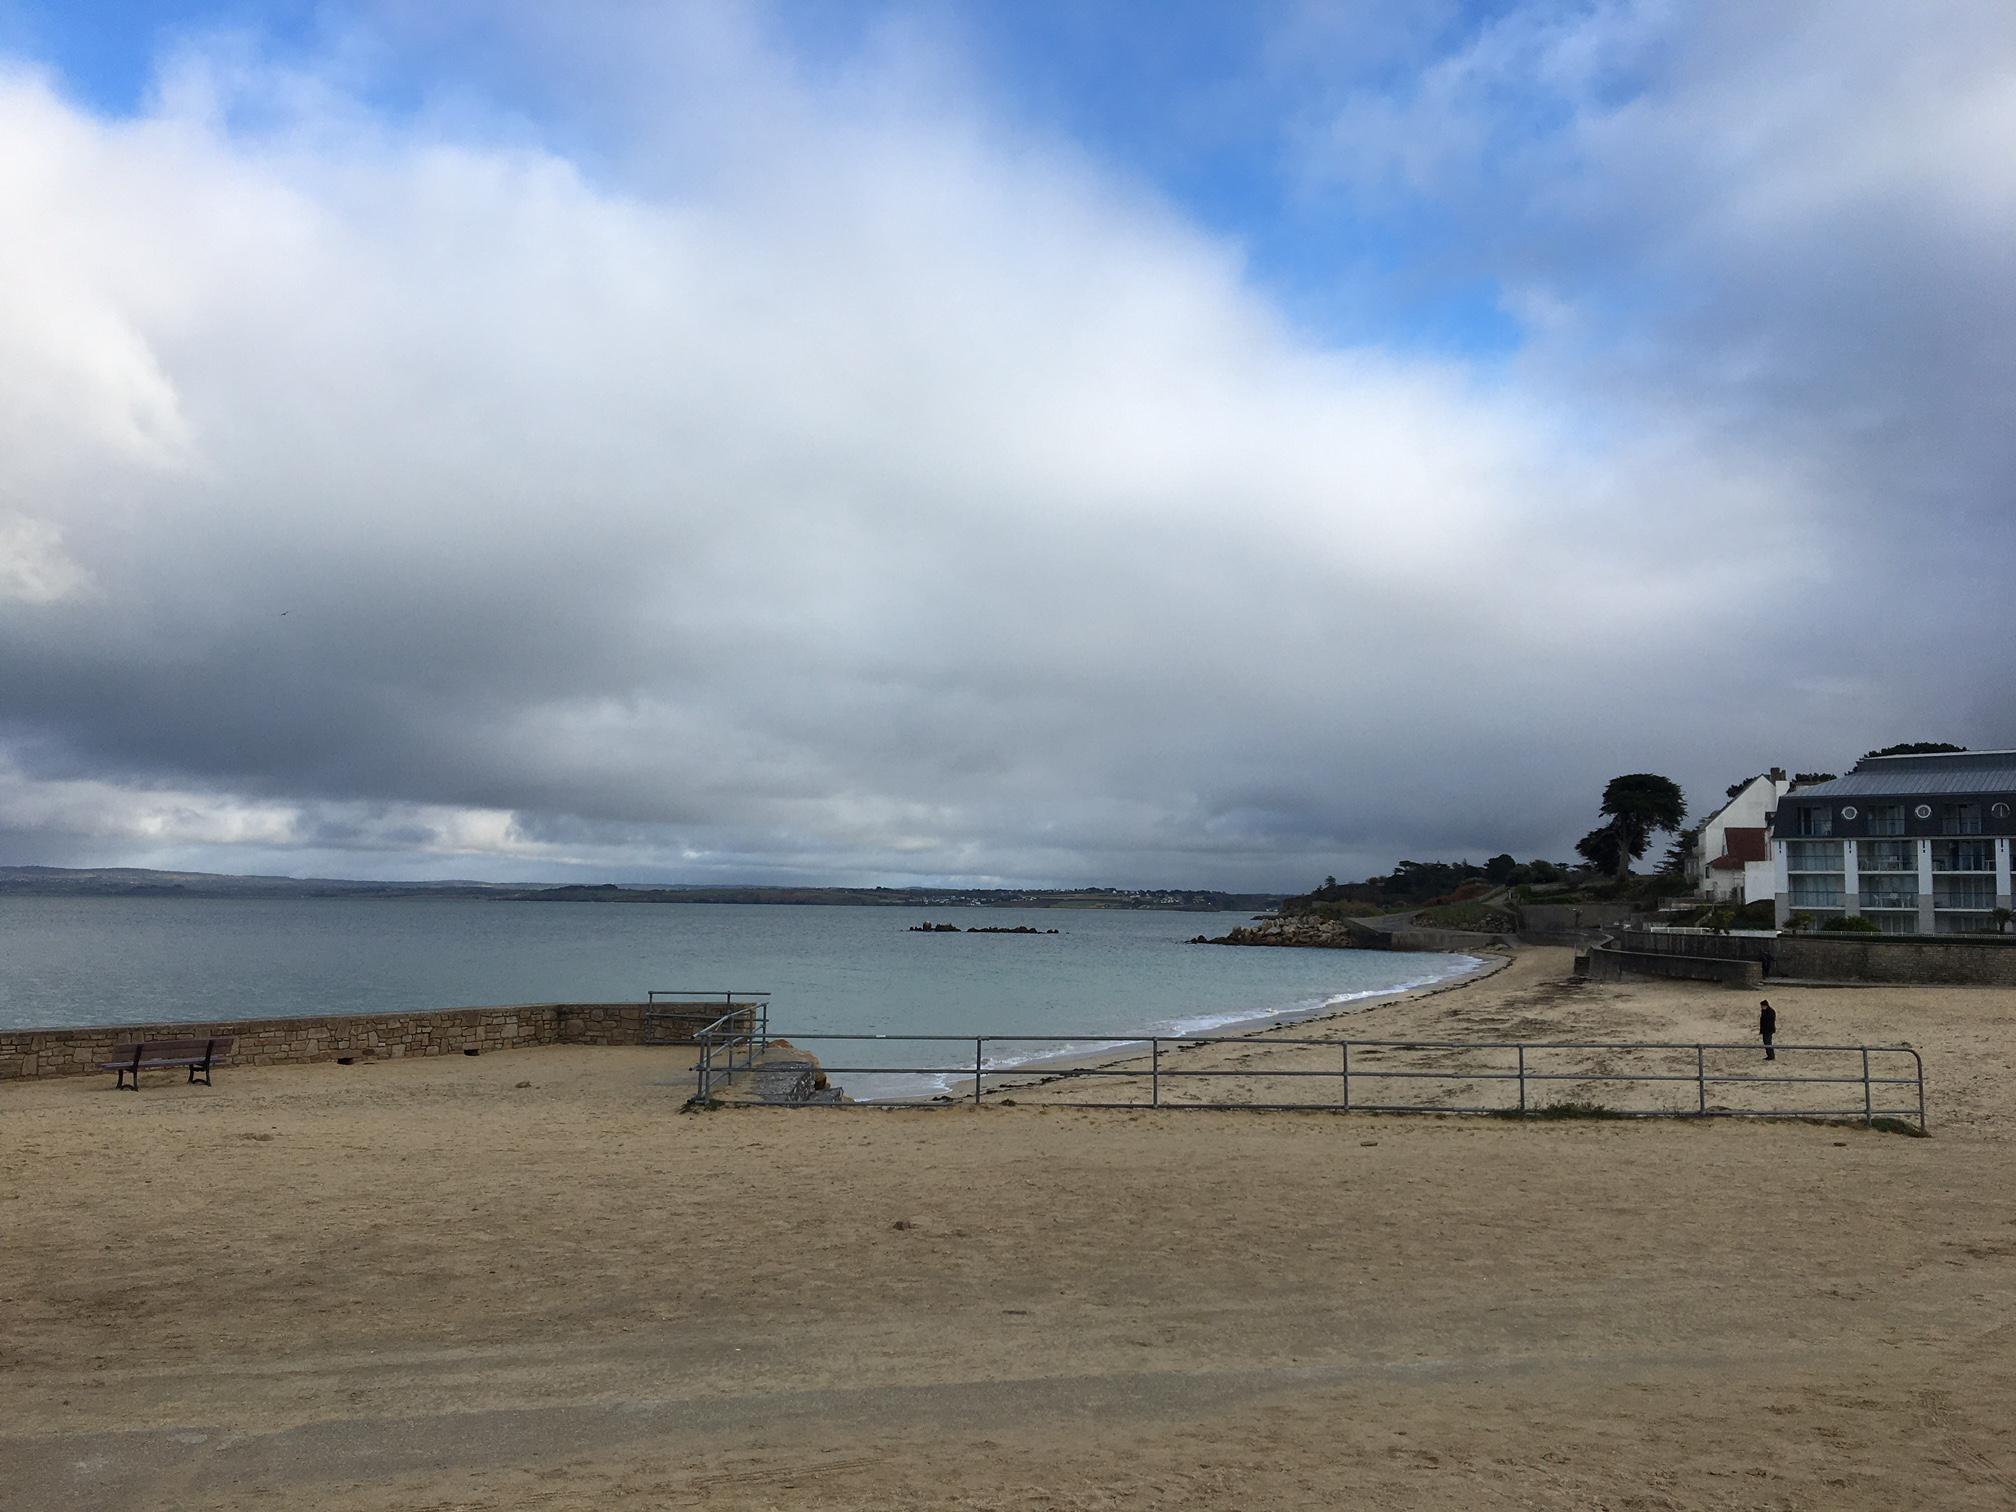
{"x": 1104, "y": 979}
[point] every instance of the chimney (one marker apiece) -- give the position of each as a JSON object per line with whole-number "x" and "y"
{"x": 1777, "y": 774}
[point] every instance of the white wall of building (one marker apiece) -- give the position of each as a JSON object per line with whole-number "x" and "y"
{"x": 1751, "y": 808}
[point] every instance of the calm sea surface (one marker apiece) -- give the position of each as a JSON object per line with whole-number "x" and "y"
{"x": 853, "y": 970}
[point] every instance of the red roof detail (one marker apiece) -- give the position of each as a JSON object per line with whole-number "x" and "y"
{"x": 1741, "y": 843}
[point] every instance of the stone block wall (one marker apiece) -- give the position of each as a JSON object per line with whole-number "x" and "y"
{"x": 1730, "y": 947}
{"x": 1959, "y": 961}
{"x": 1549, "y": 917}
{"x": 1449, "y": 941}
{"x": 33, "y": 1053}
{"x": 1604, "y": 964}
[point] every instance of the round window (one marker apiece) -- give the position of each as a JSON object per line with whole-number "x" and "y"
{"x": 2000, "y": 810}
{"x": 1849, "y": 811}
{"x": 1923, "y": 811}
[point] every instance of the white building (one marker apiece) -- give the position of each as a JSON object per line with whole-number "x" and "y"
{"x": 1916, "y": 844}
{"x": 1731, "y": 861}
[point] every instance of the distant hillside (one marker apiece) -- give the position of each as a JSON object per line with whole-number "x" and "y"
{"x": 135, "y": 882}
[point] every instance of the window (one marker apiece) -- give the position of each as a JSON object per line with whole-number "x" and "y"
{"x": 1816, "y": 892}
{"x": 1812, "y": 821}
{"x": 1887, "y": 856}
{"x": 1886, "y": 818}
{"x": 1897, "y": 923}
{"x": 1959, "y": 818}
{"x": 1963, "y": 856}
{"x": 1963, "y": 892}
{"x": 1813, "y": 855}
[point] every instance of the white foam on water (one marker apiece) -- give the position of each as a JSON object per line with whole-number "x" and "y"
{"x": 1204, "y": 1023}
{"x": 913, "y": 1088}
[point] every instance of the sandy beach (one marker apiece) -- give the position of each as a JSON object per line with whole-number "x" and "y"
{"x": 526, "y": 1280}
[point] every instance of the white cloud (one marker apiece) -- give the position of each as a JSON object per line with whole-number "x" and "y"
{"x": 34, "y": 568}
{"x": 863, "y": 493}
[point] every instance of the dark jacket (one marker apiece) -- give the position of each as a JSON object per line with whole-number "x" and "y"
{"x": 1767, "y": 1022}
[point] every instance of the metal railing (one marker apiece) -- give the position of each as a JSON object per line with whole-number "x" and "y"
{"x": 681, "y": 1015}
{"x": 733, "y": 1042}
{"x": 1682, "y": 1074}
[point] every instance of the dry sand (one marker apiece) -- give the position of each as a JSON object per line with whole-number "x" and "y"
{"x": 423, "y": 1286}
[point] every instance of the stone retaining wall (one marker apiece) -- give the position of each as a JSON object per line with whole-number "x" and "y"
{"x": 1923, "y": 960}
{"x": 1721, "y": 947}
{"x": 1604, "y": 964}
{"x": 32, "y": 1053}
{"x": 1447, "y": 941}
{"x": 1966, "y": 961}
{"x": 1547, "y": 917}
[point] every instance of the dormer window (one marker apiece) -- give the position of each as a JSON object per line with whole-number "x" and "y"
{"x": 1813, "y": 822}
{"x": 1959, "y": 818}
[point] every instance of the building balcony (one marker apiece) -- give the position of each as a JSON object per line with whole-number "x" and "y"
{"x": 1877, "y": 901}
{"x": 1963, "y": 856}
{"x": 1964, "y": 902}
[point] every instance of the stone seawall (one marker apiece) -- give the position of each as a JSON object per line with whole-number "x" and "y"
{"x": 27, "y": 1054}
{"x": 1723, "y": 947}
{"x": 1604, "y": 964}
{"x": 1925, "y": 960}
{"x": 1959, "y": 961}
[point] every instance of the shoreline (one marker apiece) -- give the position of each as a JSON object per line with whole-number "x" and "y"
{"x": 1051, "y": 1070}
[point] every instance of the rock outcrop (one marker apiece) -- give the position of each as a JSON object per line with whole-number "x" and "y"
{"x": 1306, "y": 932}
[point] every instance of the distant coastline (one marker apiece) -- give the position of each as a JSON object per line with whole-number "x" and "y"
{"x": 136, "y": 882}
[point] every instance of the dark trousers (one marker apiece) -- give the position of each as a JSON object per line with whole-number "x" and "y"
{"x": 1769, "y": 1053}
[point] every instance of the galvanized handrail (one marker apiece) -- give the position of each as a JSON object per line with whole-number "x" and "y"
{"x": 731, "y": 1042}
{"x": 724, "y": 1038}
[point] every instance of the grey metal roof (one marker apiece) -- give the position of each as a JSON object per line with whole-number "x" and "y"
{"x": 1909, "y": 783}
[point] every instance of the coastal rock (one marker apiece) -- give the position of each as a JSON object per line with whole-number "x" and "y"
{"x": 1301, "y": 931}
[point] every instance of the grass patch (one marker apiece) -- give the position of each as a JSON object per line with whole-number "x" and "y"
{"x": 1569, "y": 1109}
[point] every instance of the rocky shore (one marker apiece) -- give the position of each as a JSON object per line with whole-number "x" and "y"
{"x": 1303, "y": 931}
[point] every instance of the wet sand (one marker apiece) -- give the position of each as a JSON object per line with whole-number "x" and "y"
{"x": 426, "y": 1286}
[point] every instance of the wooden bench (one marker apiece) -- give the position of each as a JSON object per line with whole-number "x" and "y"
{"x": 199, "y": 1055}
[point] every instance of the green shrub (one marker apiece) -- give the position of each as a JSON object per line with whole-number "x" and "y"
{"x": 1848, "y": 924}
{"x": 1763, "y": 914}
{"x": 1661, "y": 887}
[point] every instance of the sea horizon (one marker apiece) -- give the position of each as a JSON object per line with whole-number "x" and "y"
{"x": 1107, "y": 977}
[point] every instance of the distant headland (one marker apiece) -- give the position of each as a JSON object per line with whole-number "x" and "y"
{"x": 137, "y": 882}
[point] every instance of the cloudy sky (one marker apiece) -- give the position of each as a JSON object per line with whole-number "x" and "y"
{"x": 1197, "y": 444}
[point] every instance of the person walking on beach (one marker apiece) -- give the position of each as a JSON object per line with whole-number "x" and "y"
{"x": 1767, "y": 1026}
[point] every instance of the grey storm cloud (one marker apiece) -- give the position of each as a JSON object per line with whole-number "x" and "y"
{"x": 779, "y": 478}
